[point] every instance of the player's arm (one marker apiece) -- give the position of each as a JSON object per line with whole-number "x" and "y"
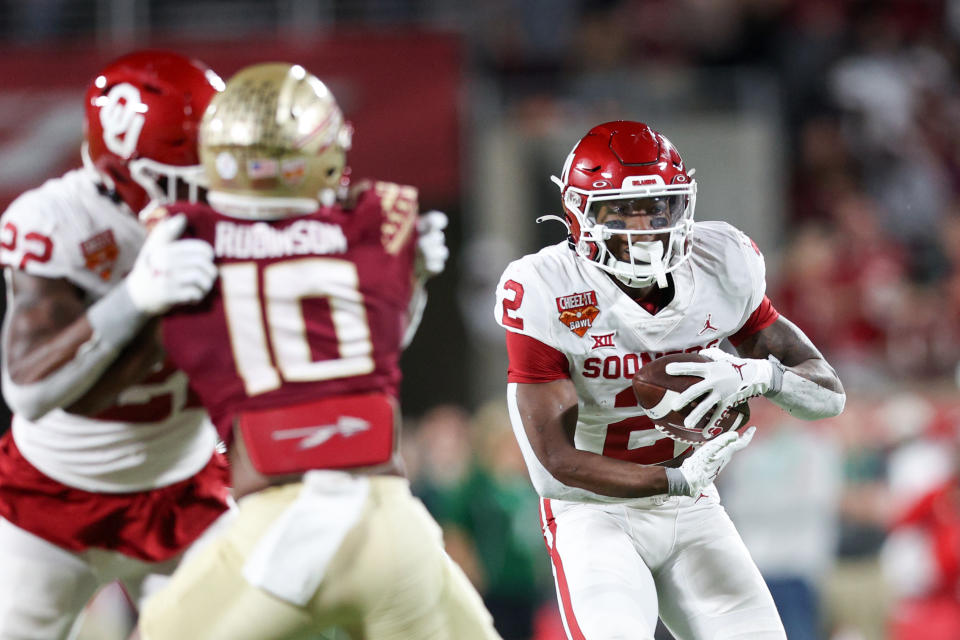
{"x": 804, "y": 383}
{"x": 47, "y": 325}
{"x": 402, "y": 225}
{"x": 143, "y": 355}
{"x": 775, "y": 359}
{"x": 778, "y": 361}
{"x": 55, "y": 349}
{"x": 547, "y": 412}
{"x": 432, "y": 254}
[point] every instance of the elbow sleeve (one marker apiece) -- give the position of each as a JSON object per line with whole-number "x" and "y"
{"x": 114, "y": 321}
{"x": 66, "y": 384}
{"x": 549, "y": 487}
{"x": 23, "y": 400}
{"x": 806, "y": 399}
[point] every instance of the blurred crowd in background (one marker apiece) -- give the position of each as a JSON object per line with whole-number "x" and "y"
{"x": 855, "y": 522}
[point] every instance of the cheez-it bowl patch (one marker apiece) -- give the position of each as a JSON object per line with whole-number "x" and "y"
{"x": 578, "y": 311}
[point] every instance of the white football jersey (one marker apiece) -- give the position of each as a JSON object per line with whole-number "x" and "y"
{"x": 564, "y": 302}
{"x": 67, "y": 229}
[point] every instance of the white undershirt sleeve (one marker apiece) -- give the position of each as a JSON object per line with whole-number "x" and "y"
{"x": 115, "y": 320}
{"x": 804, "y": 398}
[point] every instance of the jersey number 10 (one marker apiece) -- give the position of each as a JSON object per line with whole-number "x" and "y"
{"x": 285, "y": 285}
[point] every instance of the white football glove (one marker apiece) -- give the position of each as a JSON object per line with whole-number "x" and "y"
{"x": 706, "y": 463}
{"x": 168, "y": 271}
{"x": 727, "y": 381}
{"x": 432, "y": 252}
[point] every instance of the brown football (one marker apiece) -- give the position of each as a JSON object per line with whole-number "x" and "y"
{"x": 652, "y": 382}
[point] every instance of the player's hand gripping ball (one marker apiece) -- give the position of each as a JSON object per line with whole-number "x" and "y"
{"x": 656, "y": 389}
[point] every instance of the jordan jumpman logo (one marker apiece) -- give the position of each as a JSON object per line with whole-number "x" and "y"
{"x": 707, "y": 325}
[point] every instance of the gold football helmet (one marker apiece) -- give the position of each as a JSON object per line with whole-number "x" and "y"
{"x": 273, "y": 143}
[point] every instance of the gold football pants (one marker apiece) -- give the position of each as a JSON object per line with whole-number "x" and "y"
{"x": 389, "y": 579}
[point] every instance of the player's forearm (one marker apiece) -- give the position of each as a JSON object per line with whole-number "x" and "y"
{"x": 810, "y": 390}
{"x": 803, "y": 383}
{"x": 59, "y": 371}
{"x": 135, "y": 362}
{"x": 606, "y": 476}
{"x": 547, "y": 413}
{"x": 31, "y": 363}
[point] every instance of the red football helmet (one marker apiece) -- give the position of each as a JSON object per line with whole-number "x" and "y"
{"x": 142, "y": 118}
{"x": 628, "y": 166}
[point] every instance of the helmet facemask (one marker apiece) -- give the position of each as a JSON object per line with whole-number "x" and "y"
{"x": 163, "y": 183}
{"x": 653, "y": 251}
{"x": 166, "y": 183}
{"x": 628, "y": 201}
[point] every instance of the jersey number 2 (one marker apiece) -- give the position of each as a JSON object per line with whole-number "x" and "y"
{"x": 511, "y": 307}
{"x": 285, "y": 285}
{"x": 635, "y": 439}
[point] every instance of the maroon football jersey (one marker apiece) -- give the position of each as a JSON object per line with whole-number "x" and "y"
{"x": 305, "y": 308}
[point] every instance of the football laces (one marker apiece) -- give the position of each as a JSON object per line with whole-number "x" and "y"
{"x": 673, "y": 436}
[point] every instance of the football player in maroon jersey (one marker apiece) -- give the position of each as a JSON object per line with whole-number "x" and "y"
{"x": 109, "y": 470}
{"x": 295, "y": 354}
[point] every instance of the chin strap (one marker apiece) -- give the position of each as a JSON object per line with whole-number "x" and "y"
{"x": 650, "y": 253}
{"x": 634, "y": 282}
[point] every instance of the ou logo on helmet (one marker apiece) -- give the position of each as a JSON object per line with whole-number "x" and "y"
{"x": 121, "y": 116}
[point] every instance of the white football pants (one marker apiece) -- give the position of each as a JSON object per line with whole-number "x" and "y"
{"x": 617, "y": 568}
{"x": 43, "y": 588}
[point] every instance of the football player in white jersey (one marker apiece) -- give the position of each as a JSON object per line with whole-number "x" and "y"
{"x": 109, "y": 470}
{"x": 632, "y": 520}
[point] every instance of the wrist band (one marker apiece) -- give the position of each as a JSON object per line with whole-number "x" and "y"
{"x": 676, "y": 484}
{"x": 776, "y": 381}
{"x": 114, "y": 318}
